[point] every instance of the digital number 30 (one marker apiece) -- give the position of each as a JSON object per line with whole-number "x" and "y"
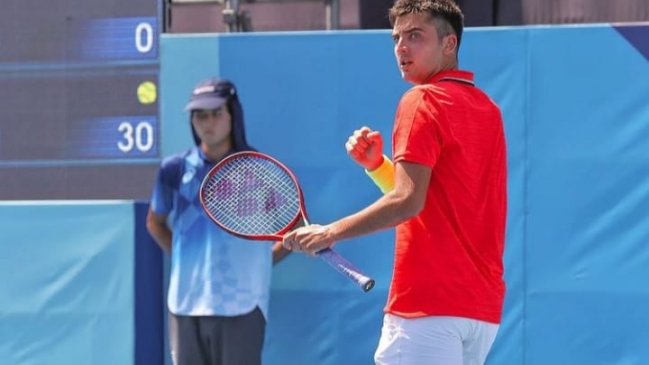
{"x": 139, "y": 137}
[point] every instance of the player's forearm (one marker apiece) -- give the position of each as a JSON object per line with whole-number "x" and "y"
{"x": 387, "y": 212}
{"x": 161, "y": 235}
{"x": 405, "y": 200}
{"x": 156, "y": 224}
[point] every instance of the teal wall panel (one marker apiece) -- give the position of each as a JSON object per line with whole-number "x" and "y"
{"x": 66, "y": 294}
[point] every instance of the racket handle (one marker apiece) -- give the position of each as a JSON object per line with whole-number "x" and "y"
{"x": 343, "y": 266}
{"x": 346, "y": 268}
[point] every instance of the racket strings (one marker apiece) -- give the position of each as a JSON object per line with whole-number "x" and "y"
{"x": 252, "y": 195}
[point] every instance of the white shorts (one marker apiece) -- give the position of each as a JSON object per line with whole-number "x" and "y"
{"x": 435, "y": 340}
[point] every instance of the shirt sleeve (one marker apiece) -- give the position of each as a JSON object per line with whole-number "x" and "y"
{"x": 166, "y": 183}
{"x": 417, "y": 136}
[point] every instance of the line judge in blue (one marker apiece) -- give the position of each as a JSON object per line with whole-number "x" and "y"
{"x": 219, "y": 285}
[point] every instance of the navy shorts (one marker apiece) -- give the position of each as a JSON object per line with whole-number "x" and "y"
{"x": 218, "y": 340}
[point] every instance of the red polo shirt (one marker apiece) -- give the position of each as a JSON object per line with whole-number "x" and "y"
{"x": 448, "y": 258}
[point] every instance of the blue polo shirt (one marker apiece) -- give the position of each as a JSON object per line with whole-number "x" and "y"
{"x": 212, "y": 272}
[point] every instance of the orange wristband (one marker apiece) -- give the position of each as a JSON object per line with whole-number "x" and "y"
{"x": 383, "y": 176}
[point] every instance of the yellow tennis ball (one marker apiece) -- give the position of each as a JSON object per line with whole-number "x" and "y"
{"x": 147, "y": 92}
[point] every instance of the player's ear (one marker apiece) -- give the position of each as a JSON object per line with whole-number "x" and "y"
{"x": 450, "y": 43}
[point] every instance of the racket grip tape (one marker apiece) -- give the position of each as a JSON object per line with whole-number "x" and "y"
{"x": 346, "y": 268}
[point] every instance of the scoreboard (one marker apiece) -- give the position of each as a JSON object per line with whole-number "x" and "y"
{"x": 79, "y": 116}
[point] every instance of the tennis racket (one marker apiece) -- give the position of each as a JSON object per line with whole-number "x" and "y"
{"x": 254, "y": 196}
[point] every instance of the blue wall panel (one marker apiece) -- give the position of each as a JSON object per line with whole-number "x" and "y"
{"x": 575, "y": 105}
{"x": 588, "y": 189}
{"x": 194, "y": 59}
{"x": 303, "y": 94}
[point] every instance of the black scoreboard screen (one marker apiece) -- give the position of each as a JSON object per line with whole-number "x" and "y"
{"x": 79, "y": 116}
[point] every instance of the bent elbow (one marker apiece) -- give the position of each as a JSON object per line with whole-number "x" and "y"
{"x": 413, "y": 206}
{"x": 152, "y": 222}
{"x": 409, "y": 206}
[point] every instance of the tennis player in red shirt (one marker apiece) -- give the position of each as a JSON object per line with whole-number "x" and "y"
{"x": 445, "y": 194}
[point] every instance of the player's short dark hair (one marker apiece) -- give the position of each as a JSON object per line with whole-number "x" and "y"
{"x": 446, "y": 10}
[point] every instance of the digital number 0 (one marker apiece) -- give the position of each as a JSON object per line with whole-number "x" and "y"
{"x": 144, "y": 136}
{"x": 144, "y": 37}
